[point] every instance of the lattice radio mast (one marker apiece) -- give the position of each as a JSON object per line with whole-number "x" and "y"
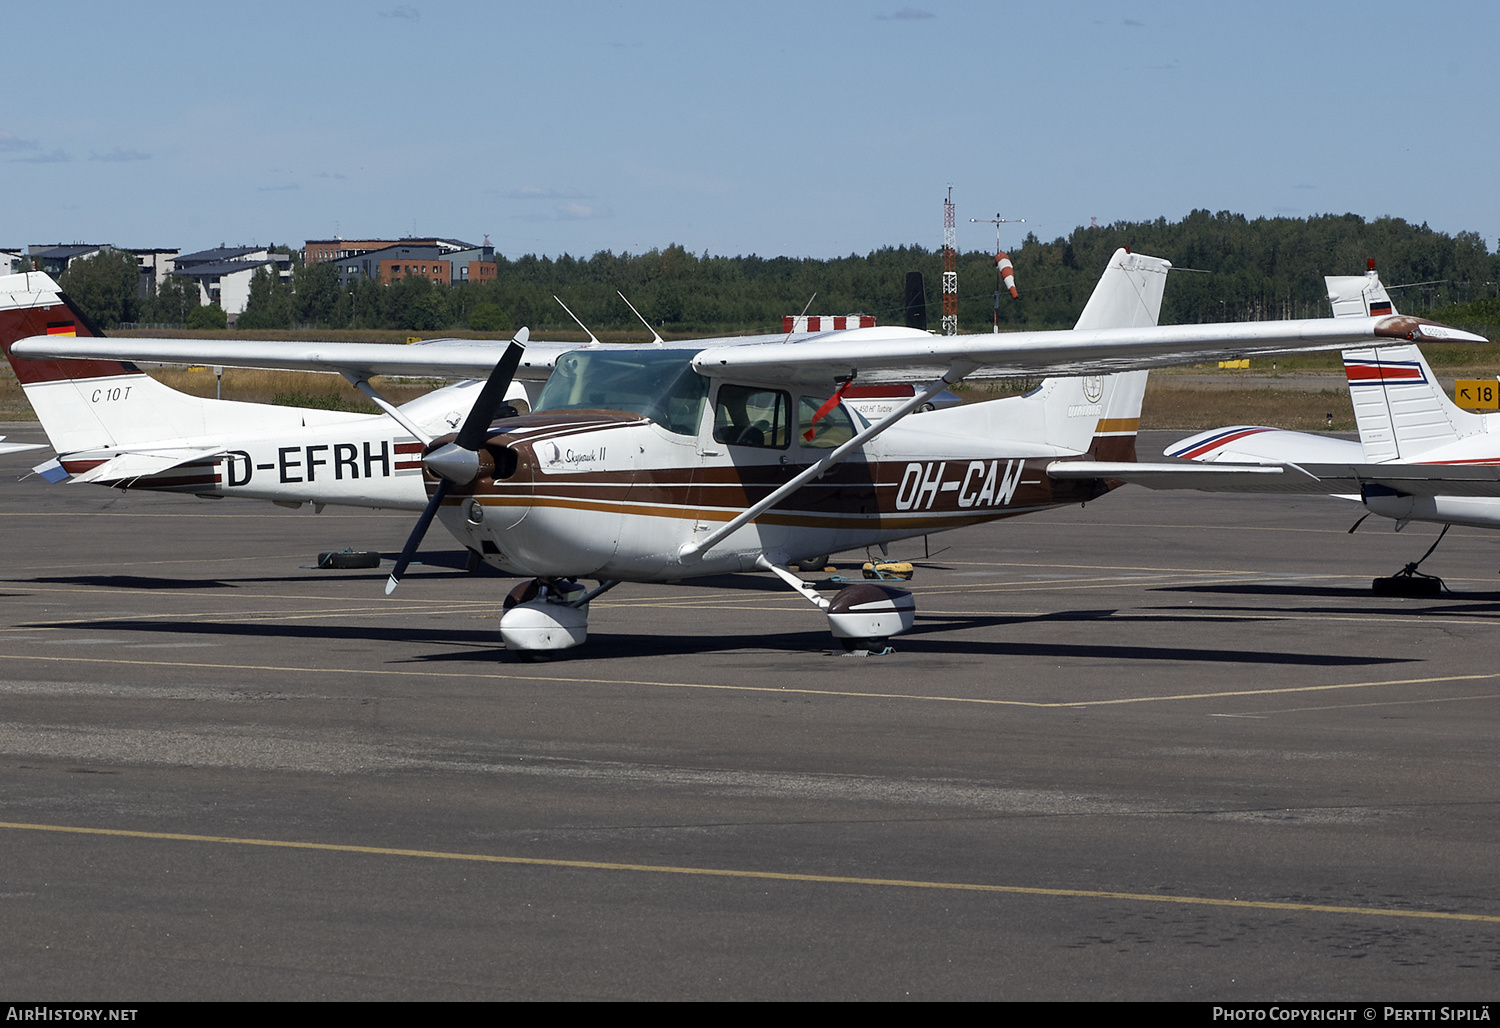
{"x": 950, "y": 268}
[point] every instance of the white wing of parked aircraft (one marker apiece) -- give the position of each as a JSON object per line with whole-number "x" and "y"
{"x": 873, "y": 355}
{"x": 17, "y": 447}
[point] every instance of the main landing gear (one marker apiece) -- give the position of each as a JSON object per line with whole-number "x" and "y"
{"x": 862, "y": 617}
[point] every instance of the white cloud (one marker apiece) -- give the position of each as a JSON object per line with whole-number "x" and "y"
{"x": 120, "y": 153}
{"x": 570, "y": 211}
{"x": 10, "y": 143}
{"x": 540, "y": 193}
{"x": 55, "y": 157}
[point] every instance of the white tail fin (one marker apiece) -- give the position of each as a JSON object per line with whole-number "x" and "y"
{"x": 1399, "y": 407}
{"x": 1080, "y": 410}
{"x": 1358, "y": 296}
{"x": 1401, "y": 410}
{"x": 1080, "y": 413}
{"x": 106, "y": 405}
{"x": 1128, "y": 294}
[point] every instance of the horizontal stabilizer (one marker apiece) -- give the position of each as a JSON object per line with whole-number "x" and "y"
{"x": 139, "y": 464}
{"x": 17, "y": 447}
{"x": 1233, "y": 478}
{"x": 1312, "y": 479}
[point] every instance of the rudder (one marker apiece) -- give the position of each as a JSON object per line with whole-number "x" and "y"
{"x": 1400, "y": 409}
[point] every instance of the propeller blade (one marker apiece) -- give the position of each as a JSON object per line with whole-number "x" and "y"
{"x": 458, "y": 457}
{"x": 410, "y": 549}
{"x": 476, "y": 426}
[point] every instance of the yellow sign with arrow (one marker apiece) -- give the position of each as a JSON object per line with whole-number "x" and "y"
{"x": 1477, "y": 393}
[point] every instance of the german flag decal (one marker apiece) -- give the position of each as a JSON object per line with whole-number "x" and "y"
{"x": 61, "y": 328}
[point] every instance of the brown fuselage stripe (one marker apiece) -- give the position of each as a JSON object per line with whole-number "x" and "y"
{"x": 873, "y": 519}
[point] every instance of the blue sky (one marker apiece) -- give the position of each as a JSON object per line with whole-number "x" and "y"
{"x": 814, "y": 128}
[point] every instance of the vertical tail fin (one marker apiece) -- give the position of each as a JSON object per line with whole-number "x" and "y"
{"x": 1128, "y": 294}
{"x": 1399, "y": 407}
{"x": 1103, "y": 413}
{"x": 1083, "y": 413}
{"x": 88, "y": 404}
{"x": 1358, "y": 296}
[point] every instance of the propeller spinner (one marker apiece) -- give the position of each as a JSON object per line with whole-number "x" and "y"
{"x": 459, "y": 462}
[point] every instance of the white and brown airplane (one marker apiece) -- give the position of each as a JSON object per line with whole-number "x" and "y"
{"x": 649, "y": 463}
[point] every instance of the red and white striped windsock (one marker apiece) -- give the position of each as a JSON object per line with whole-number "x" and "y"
{"x": 1008, "y": 273}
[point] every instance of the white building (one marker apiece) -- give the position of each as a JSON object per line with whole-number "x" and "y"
{"x": 223, "y": 274}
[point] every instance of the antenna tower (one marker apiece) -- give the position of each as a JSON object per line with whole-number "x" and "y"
{"x": 950, "y": 268}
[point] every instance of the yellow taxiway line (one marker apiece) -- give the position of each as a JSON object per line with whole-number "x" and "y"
{"x": 780, "y": 876}
{"x": 428, "y": 673}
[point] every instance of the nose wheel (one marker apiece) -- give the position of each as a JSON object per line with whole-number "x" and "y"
{"x": 546, "y": 615}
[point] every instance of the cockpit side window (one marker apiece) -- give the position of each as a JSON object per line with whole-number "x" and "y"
{"x": 833, "y": 429}
{"x": 746, "y": 416}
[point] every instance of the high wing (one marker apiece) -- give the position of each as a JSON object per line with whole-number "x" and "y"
{"x": 879, "y": 355}
{"x": 437, "y": 358}
{"x": 874, "y": 355}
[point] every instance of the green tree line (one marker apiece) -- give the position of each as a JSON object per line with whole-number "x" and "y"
{"x": 1241, "y": 269}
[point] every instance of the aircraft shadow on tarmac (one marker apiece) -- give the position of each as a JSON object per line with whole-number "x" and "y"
{"x": 914, "y": 642}
{"x": 375, "y": 578}
{"x": 132, "y": 582}
{"x": 443, "y": 566}
{"x": 1362, "y": 600}
{"x": 482, "y": 645}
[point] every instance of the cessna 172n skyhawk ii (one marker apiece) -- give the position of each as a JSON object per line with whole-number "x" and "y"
{"x": 649, "y": 463}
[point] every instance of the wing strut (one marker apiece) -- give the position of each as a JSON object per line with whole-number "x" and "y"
{"x": 694, "y": 550}
{"x": 362, "y": 383}
{"x": 808, "y": 592}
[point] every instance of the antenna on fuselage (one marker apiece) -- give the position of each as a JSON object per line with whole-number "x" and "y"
{"x": 656, "y": 338}
{"x": 593, "y": 340}
{"x": 799, "y": 317}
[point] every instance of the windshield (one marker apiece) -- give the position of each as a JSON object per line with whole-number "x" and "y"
{"x": 659, "y": 384}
